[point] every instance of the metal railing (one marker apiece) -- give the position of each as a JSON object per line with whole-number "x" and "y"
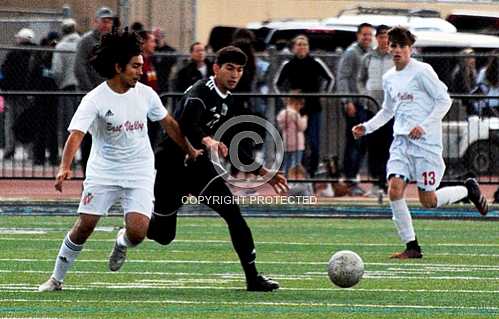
{"x": 471, "y": 143}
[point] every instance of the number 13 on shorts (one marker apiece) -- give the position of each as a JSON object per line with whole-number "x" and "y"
{"x": 429, "y": 178}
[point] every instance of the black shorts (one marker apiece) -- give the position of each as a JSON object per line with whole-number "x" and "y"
{"x": 176, "y": 179}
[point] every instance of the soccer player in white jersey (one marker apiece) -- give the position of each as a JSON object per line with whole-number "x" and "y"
{"x": 418, "y": 100}
{"x": 121, "y": 162}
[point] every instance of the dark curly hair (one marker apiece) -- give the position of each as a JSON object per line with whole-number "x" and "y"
{"x": 115, "y": 48}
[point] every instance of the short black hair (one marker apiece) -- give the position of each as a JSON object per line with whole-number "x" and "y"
{"x": 382, "y": 28}
{"x": 137, "y": 26}
{"x": 364, "y": 25}
{"x": 144, "y": 34}
{"x": 401, "y": 36}
{"x": 191, "y": 48}
{"x": 115, "y": 48}
{"x": 231, "y": 54}
{"x": 243, "y": 33}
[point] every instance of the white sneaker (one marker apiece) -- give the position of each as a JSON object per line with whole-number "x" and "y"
{"x": 50, "y": 285}
{"x": 118, "y": 255}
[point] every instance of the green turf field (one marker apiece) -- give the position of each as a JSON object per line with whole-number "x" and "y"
{"x": 198, "y": 276}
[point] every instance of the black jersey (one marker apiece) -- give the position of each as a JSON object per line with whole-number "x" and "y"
{"x": 201, "y": 112}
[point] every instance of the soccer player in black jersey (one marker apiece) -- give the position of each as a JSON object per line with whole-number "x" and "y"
{"x": 202, "y": 110}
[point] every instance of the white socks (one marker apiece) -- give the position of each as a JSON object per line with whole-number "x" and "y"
{"x": 66, "y": 258}
{"x": 122, "y": 239}
{"x": 450, "y": 194}
{"x": 403, "y": 221}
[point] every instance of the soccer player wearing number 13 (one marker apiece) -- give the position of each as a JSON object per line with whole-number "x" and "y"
{"x": 418, "y": 100}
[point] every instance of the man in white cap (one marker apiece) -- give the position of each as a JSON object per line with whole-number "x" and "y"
{"x": 87, "y": 77}
{"x": 15, "y": 69}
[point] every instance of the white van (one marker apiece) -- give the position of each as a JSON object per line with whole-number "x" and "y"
{"x": 413, "y": 19}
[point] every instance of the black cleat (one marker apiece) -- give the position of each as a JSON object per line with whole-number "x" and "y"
{"x": 408, "y": 254}
{"x": 476, "y": 197}
{"x": 262, "y": 283}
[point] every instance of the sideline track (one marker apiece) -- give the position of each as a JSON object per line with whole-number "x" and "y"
{"x": 320, "y": 210}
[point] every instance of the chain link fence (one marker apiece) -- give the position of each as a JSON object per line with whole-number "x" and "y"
{"x": 38, "y": 121}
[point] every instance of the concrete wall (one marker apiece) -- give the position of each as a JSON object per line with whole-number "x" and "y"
{"x": 175, "y": 17}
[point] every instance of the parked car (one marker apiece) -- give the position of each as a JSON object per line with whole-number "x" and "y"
{"x": 321, "y": 38}
{"x": 472, "y": 145}
{"x": 485, "y": 22}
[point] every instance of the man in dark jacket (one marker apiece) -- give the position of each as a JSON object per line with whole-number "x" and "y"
{"x": 198, "y": 68}
{"x": 15, "y": 71}
{"x": 44, "y": 107}
{"x": 355, "y": 111}
{"x": 86, "y": 75}
{"x": 307, "y": 74}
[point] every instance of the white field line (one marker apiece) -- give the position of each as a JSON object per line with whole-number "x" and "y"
{"x": 33, "y": 288}
{"x": 273, "y": 242}
{"x": 179, "y": 284}
{"x": 225, "y": 262}
{"x": 284, "y": 252}
{"x": 142, "y": 261}
{"x": 242, "y": 303}
{"x": 44, "y": 230}
{"x": 307, "y": 276}
{"x": 22, "y": 231}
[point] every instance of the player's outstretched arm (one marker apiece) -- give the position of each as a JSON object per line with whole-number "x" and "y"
{"x": 72, "y": 145}
{"x": 173, "y": 130}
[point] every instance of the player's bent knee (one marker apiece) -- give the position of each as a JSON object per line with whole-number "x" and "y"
{"x": 161, "y": 235}
{"x": 136, "y": 235}
{"x": 135, "y": 238}
{"x": 162, "y": 239}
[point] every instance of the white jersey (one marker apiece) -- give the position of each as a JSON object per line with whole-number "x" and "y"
{"x": 416, "y": 97}
{"x": 121, "y": 153}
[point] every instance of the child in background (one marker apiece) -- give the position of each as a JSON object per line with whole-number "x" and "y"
{"x": 293, "y": 126}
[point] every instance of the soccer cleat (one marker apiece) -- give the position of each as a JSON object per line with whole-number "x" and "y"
{"x": 476, "y": 197}
{"x": 262, "y": 283}
{"x": 118, "y": 255}
{"x": 407, "y": 254}
{"x": 50, "y": 285}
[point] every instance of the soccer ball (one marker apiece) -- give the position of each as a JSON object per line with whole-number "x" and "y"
{"x": 345, "y": 268}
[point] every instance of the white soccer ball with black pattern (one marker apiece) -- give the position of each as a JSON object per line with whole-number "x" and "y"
{"x": 345, "y": 268}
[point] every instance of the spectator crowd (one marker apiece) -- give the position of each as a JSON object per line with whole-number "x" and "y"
{"x": 41, "y": 121}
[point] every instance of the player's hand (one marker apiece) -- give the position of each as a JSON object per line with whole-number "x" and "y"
{"x": 279, "y": 183}
{"x": 350, "y": 109}
{"x": 62, "y": 174}
{"x": 416, "y": 133}
{"x": 193, "y": 154}
{"x": 358, "y": 131}
{"x": 216, "y": 146}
